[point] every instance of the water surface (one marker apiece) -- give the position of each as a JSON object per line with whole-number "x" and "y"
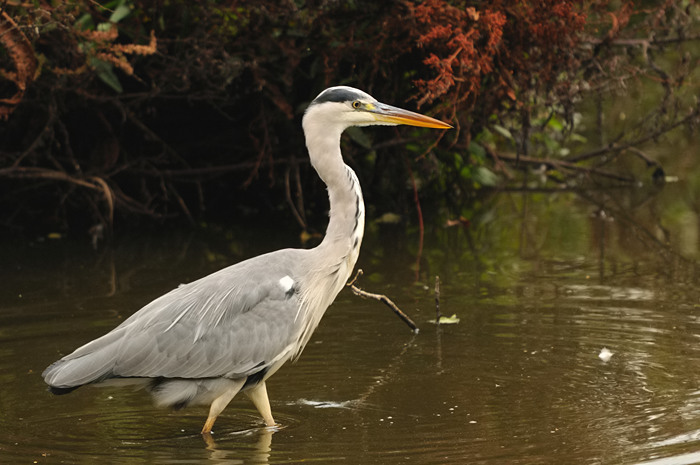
{"x": 541, "y": 285}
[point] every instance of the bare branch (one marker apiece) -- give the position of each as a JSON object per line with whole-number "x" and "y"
{"x": 384, "y": 299}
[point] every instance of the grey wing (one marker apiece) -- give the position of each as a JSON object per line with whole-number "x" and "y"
{"x": 232, "y": 323}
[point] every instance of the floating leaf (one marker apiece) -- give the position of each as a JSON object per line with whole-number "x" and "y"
{"x": 447, "y": 320}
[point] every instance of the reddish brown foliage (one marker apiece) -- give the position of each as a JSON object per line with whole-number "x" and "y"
{"x": 236, "y": 74}
{"x": 463, "y": 44}
{"x": 510, "y": 47}
{"x": 21, "y": 56}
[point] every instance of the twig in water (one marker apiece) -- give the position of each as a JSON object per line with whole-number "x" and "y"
{"x": 438, "y": 315}
{"x": 382, "y": 298}
{"x": 419, "y": 211}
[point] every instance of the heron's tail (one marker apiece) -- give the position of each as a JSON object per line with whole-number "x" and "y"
{"x": 91, "y": 363}
{"x": 60, "y": 391}
{"x": 65, "y": 376}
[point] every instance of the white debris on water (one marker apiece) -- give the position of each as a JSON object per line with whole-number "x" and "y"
{"x": 324, "y": 403}
{"x": 605, "y": 354}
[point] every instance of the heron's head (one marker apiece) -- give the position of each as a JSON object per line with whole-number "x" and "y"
{"x": 344, "y": 106}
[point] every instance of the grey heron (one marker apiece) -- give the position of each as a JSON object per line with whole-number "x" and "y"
{"x": 204, "y": 342}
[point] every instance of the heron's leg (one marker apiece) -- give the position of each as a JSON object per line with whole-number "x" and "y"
{"x": 220, "y": 404}
{"x": 258, "y": 395}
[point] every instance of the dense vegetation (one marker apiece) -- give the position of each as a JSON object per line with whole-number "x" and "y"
{"x": 140, "y": 110}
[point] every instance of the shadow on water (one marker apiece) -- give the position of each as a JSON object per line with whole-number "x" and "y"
{"x": 542, "y": 283}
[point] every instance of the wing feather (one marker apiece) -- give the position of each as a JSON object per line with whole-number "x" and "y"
{"x": 231, "y": 323}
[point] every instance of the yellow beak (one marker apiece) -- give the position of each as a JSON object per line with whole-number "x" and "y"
{"x": 394, "y": 115}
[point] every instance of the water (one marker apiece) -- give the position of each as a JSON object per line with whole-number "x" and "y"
{"x": 541, "y": 284}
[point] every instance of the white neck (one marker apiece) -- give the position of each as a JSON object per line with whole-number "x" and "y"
{"x": 330, "y": 264}
{"x": 347, "y": 210}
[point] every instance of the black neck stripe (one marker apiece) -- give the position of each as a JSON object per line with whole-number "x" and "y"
{"x": 337, "y": 95}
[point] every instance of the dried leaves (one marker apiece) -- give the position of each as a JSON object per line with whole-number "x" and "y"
{"x": 479, "y": 60}
{"x": 505, "y": 47}
{"x": 104, "y": 48}
{"x": 461, "y": 44}
{"x": 22, "y": 67}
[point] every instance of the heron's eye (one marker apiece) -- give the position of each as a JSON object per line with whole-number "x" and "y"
{"x": 356, "y": 104}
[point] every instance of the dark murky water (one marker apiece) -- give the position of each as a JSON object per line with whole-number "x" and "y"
{"x": 541, "y": 284}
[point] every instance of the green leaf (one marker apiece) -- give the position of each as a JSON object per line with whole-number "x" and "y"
{"x": 120, "y": 12}
{"x": 389, "y": 218}
{"x": 459, "y": 161}
{"x": 359, "y": 137}
{"x": 485, "y": 176}
{"x": 503, "y": 131}
{"x": 555, "y": 124}
{"x": 485, "y": 137}
{"x": 105, "y": 72}
{"x": 104, "y": 27}
{"x": 477, "y": 150}
{"x": 85, "y": 22}
{"x": 578, "y": 138}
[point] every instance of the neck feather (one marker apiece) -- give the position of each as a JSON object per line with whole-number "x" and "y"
{"x": 347, "y": 210}
{"x": 331, "y": 263}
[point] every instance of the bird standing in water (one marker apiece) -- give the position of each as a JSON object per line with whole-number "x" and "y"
{"x": 204, "y": 342}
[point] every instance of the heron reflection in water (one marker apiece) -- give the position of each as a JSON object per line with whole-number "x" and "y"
{"x": 204, "y": 342}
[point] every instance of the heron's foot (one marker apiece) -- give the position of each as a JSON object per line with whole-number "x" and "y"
{"x": 274, "y": 428}
{"x": 208, "y": 440}
{"x": 206, "y": 429}
{"x": 270, "y": 422}
{"x": 220, "y": 404}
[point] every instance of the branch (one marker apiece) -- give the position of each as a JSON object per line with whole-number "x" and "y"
{"x": 42, "y": 173}
{"x": 419, "y": 212}
{"x": 614, "y": 147}
{"x": 642, "y": 42}
{"x": 438, "y": 314}
{"x": 188, "y": 173}
{"x": 561, "y": 164}
{"x": 297, "y": 210}
{"x": 384, "y": 299}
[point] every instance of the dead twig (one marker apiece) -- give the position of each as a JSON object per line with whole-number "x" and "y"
{"x": 642, "y": 42}
{"x": 419, "y": 212}
{"x": 562, "y": 165}
{"x": 181, "y": 202}
{"x": 384, "y": 299}
{"x": 615, "y": 146}
{"x": 649, "y": 161}
{"x": 438, "y": 315}
{"x": 187, "y": 174}
{"x": 45, "y": 173}
{"x": 296, "y": 209}
{"x": 109, "y": 198}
